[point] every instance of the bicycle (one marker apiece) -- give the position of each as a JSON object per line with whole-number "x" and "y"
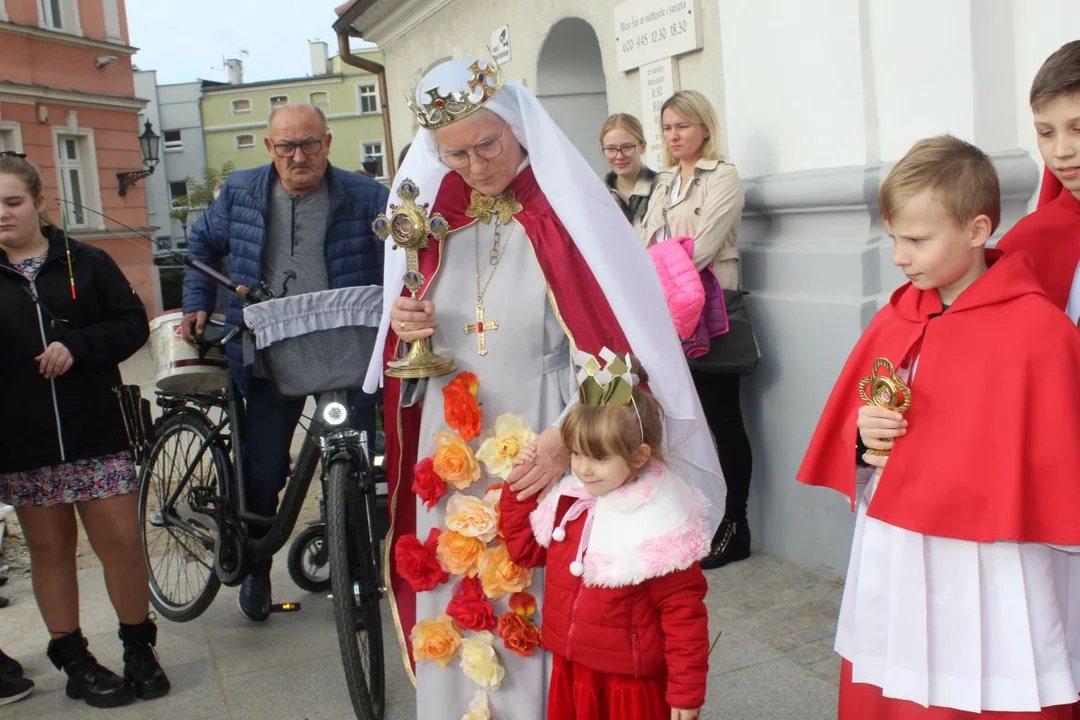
{"x": 192, "y": 491}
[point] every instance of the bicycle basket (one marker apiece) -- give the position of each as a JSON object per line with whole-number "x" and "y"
{"x": 316, "y": 342}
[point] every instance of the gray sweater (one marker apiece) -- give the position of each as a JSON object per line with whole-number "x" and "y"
{"x": 295, "y": 240}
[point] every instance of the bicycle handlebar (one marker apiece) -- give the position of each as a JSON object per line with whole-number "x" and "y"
{"x": 255, "y": 294}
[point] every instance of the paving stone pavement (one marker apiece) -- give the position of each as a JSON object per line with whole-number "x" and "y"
{"x": 773, "y": 659}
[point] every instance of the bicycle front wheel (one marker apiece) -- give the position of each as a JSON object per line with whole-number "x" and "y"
{"x": 178, "y": 536}
{"x": 354, "y": 582}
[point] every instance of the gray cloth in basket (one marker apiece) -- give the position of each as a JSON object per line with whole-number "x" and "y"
{"x": 318, "y": 342}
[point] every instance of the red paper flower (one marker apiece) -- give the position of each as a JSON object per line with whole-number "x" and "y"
{"x": 416, "y": 564}
{"x": 460, "y": 406}
{"x": 427, "y": 484}
{"x": 523, "y": 604}
{"x": 469, "y": 608}
{"x": 518, "y": 634}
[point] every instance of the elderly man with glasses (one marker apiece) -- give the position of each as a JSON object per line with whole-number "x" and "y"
{"x": 300, "y": 225}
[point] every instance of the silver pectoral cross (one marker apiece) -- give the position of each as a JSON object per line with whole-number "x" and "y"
{"x": 480, "y": 327}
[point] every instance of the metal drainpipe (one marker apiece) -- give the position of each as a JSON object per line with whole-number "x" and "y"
{"x": 380, "y": 73}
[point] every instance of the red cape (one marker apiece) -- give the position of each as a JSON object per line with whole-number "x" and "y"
{"x": 1051, "y": 236}
{"x": 1050, "y": 189}
{"x": 992, "y": 450}
{"x": 581, "y": 305}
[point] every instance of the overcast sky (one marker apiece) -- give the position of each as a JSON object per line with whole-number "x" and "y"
{"x": 188, "y": 40}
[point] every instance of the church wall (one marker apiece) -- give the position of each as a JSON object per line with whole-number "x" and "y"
{"x": 816, "y": 101}
{"x": 871, "y": 78}
{"x": 468, "y": 27}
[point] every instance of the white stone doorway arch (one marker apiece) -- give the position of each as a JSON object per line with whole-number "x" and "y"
{"x": 570, "y": 84}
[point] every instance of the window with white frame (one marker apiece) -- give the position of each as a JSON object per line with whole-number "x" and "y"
{"x": 369, "y": 98}
{"x": 60, "y": 15}
{"x": 178, "y": 194}
{"x": 277, "y": 101}
{"x": 373, "y": 151}
{"x": 74, "y": 166}
{"x": 173, "y": 139}
{"x": 319, "y": 99}
{"x": 10, "y": 137}
{"x": 247, "y": 140}
{"x": 241, "y": 106}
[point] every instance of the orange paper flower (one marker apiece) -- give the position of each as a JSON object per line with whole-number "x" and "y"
{"x": 518, "y": 634}
{"x": 491, "y": 498}
{"x": 454, "y": 461}
{"x": 523, "y": 604}
{"x": 459, "y": 553}
{"x": 471, "y": 517}
{"x": 436, "y": 640}
{"x": 500, "y": 575}
{"x": 461, "y": 409}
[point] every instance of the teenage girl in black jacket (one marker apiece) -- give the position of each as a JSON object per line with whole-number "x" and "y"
{"x": 69, "y": 317}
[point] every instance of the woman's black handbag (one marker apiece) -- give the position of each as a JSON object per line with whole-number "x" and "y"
{"x": 736, "y": 352}
{"x": 138, "y": 423}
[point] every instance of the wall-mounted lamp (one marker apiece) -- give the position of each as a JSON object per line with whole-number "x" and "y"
{"x": 149, "y": 144}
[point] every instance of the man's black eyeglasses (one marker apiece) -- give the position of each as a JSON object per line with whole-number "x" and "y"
{"x": 288, "y": 149}
{"x": 12, "y": 153}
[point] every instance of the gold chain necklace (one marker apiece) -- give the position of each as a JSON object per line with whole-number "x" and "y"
{"x": 482, "y": 324}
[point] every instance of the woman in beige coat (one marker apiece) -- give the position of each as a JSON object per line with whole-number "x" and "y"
{"x": 701, "y": 197}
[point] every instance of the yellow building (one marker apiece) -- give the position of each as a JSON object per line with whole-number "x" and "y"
{"x": 234, "y": 115}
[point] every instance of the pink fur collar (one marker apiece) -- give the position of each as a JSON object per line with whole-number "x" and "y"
{"x": 651, "y": 527}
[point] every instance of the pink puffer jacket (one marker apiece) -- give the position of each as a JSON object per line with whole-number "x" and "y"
{"x": 681, "y": 281}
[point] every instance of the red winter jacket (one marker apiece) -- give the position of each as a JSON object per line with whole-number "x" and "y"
{"x": 659, "y": 627}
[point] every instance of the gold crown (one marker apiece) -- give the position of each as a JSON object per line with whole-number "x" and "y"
{"x": 442, "y": 109}
{"x": 607, "y": 385}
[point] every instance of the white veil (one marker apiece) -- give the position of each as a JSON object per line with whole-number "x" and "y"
{"x": 607, "y": 242}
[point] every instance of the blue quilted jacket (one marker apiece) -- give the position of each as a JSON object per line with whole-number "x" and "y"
{"x": 234, "y": 227}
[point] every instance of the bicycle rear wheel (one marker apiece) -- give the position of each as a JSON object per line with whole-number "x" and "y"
{"x": 179, "y": 560}
{"x": 354, "y": 581}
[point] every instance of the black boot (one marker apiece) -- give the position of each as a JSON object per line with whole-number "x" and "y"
{"x": 142, "y": 671}
{"x": 9, "y": 665}
{"x": 87, "y": 679}
{"x": 730, "y": 543}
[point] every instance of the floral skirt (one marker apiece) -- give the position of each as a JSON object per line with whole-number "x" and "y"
{"x": 71, "y": 482}
{"x": 578, "y": 693}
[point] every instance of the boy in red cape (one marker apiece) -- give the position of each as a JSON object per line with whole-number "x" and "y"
{"x": 958, "y": 601}
{"x": 1051, "y": 234}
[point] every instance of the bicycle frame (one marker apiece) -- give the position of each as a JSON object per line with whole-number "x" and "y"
{"x": 321, "y": 442}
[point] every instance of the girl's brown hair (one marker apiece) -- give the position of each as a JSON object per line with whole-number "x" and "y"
{"x": 26, "y": 171}
{"x": 600, "y": 432}
{"x": 629, "y": 123}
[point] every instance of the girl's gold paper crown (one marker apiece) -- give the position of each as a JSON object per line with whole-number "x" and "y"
{"x": 607, "y": 385}
{"x": 441, "y": 109}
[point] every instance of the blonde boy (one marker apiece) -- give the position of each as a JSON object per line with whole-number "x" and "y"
{"x": 952, "y": 604}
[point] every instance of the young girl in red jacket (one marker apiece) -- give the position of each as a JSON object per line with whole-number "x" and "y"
{"x": 621, "y": 537}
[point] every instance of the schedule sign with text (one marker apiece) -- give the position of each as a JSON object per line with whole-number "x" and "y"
{"x": 650, "y": 30}
{"x": 659, "y": 81}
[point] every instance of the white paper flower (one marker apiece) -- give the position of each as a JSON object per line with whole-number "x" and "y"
{"x": 478, "y": 708}
{"x": 479, "y": 661}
